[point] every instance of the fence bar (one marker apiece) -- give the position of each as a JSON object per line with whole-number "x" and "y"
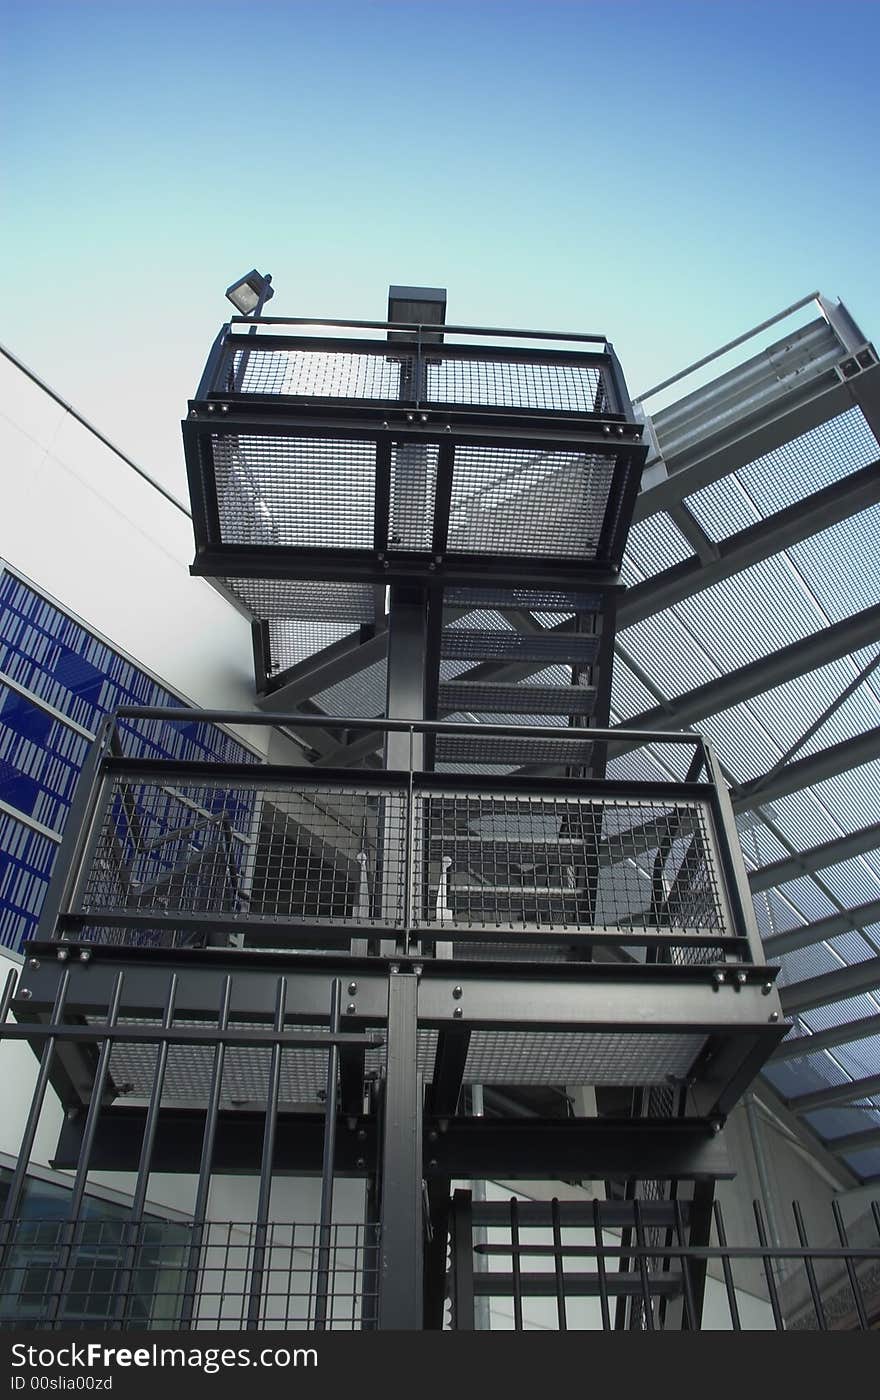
{"x": 515, "y": 1265}
{"x": 204, "y": 1181}
{"x": 850, "y": 1267}
{"x": 600, "y": 1268}
{"x": 272, "y": 1094}
{"x": 768, "y": 1267}
{"x": 73, "y": 1225}
{"x": 643, "y": 1265}
{"x": 139, "y": 1196}
{"x": 328, "y": 1159}
{"x": 726, "y": 1269}
{"x": 810, "y": 1271}
{"x": 557, "y": 1264}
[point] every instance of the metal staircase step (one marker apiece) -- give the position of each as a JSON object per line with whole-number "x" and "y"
{"x": 565, "y": 648}
{"x": 517, "y": 699}
{"x": 558, "y": 600}
{"x": 455, "y": 748}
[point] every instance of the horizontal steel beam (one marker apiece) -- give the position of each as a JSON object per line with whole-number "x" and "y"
{"x": 808, "y": 934}
{"x": 780, "y": 666}
{"x": 831, "y": 986}
{"x": 777, "y": 532}
{"x": 577, "y": 1149}
{"x": 845, "y": 1034}
{"x": 806, "y": 772}
{"x": 850, "y": 1092}
{"x": 842, "y": 848}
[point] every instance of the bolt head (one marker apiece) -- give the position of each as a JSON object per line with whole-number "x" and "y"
{"x": 85, "y": 955}
{"x": 741, "y": 978}
{"x": 350, "y": 1009}
{"x": 774, "y": 1015}
{"x": 456, "y": 991}
{"x": 458, "y": 1013}
{"x": 360, "y": 1163}
{"x": 719, "y": 977}
{"x": 362, "y": 1135}
{"x": 25, "y": 994}
{"x": 63, "y": 955}
{"x": 767, "y": 989}
{"x": 224, "y": 408}
{"x": 34, "y": 963}
{"x": 423, "y": 417}
{"x": 432, "y": 1163}
{"x": 352, "y": 988}
{"x": 432, "y": 1136}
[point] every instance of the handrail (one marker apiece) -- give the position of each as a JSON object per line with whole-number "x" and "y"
{"x": 403, "y": 726}
{"x": 417, "y": 327}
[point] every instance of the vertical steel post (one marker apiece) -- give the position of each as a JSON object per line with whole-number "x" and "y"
{"x": 402, "y": 1228}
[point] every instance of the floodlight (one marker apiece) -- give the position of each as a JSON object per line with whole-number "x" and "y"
{"x": 418, "y": 306}
{"x": 250, "y": 294}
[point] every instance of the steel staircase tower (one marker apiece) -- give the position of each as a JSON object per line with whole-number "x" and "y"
{"x": 452, "y": 892}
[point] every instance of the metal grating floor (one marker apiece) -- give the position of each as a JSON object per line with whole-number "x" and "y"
{"x": 494, "y": 1057}
{"x": 464, "y": 749}
{"x": 517, "y": 699}
{"x": 569, "y": 648}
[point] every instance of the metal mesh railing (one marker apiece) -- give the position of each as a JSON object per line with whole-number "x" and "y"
{"x": 557, "y": 863}
{"x": 521, "y": 501}
{"x": 544, "y": 387}
{"x": 319, "y": 374}
{"x": 146, "y": 1274}
{"x": 260, "y": 852}
{"x": 294, "y": 492}
{"x": 337, "y": 373}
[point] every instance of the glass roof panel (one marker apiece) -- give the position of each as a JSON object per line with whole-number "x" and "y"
{"x": 786, "y": 475}
{"x": 655, "y": 543}
{"x": 865, "y": 1164}
{"x": 831, "y": 1123}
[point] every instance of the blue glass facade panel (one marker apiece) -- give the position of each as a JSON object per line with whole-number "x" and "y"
{"x": 62, "y": 664}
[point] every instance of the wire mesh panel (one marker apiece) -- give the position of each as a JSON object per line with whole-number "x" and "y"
{"x": 548, "y": 388}
{"x": 264, "y": 853}
{"x": 319, "y": 600}
{"x": 98, "y": 1273}
{"x": 553, "y": 863}
{"x": 313, "y": 374}
{"x": 527, "y": 501}
{"x": 412, "y": 493}
{"x": 294, "y": 492}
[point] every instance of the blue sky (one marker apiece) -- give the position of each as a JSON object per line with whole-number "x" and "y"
{"x": 666, "y": 173}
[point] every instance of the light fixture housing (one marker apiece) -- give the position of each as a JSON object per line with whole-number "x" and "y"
{"x": 418, "y": 306}
{"x": 250, "y": 293}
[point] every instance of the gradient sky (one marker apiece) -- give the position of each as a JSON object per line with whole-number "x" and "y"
{"x": 665, "y": 173}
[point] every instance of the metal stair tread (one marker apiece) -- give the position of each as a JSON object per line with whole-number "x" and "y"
{"x": 510, "y": 698}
